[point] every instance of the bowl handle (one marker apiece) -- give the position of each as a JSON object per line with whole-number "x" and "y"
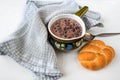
{"x": 82, "y": 11}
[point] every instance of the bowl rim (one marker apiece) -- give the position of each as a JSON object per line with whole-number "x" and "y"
{"x": 72, "y": 16}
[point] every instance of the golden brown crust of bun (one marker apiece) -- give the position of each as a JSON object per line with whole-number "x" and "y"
{"x": 96, "y": 55}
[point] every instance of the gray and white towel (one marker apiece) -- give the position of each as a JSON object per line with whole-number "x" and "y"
{"x": 29, "y": 46}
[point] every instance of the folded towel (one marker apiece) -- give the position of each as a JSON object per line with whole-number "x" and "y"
{"x": 29, "y": 46}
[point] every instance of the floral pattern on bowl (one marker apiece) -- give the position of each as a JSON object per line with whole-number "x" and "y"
{"x": 65, "y": 46}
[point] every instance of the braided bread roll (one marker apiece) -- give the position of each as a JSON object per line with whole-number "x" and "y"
{"x": 96, "y": 55}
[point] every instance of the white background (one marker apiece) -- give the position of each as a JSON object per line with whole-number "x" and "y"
{"x": 11, "y": 12}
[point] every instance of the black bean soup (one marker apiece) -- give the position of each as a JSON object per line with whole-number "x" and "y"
{"x": 66, "y": 28}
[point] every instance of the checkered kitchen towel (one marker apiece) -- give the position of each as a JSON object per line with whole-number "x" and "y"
{"x": 29, "y": 46}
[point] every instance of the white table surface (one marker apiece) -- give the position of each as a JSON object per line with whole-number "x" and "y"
{"x": 11, "y": 13}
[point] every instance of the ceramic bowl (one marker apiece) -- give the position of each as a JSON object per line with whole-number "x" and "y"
{"x": 65, "y": 43}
